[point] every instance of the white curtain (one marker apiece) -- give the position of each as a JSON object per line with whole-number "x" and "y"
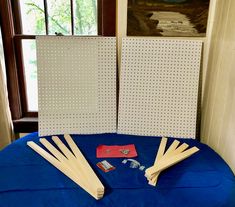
{"x": 6, "y": 130}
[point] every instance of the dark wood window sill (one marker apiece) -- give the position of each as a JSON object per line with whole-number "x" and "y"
{"x": 26, "y": 125}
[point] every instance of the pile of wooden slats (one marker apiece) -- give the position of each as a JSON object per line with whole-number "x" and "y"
{"x": 72, "y": 163}
{"x": 163, "y": 160}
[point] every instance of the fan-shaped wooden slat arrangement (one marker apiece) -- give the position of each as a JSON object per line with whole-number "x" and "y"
{"x": 72, "y": 164}
{"x": 173, "y": 155}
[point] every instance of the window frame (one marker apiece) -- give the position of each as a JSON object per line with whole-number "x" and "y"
{"x": 10, "y": 21}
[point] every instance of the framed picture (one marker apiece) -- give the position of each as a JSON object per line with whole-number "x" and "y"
{"x": 171, "y": 18}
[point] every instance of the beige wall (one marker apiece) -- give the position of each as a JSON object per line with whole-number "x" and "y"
{"x": 218, "y": 107}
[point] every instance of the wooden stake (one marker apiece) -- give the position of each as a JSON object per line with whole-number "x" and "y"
{"x": 171, "y": 149}
{"x": 88, "y": 170}
{"x": 67, "y": 163}
{"x": 53, "y": 150}
{"x": 165, "y": 163}
{"x": 168, "y": 154}
{"x": 56, "y": 163}
{"x": 178, "y": 150}
{"x": 161, "y": 150}
{"x": 63, "y": 148}
{"x": 80, "y": 161}
{"x": 160, "y": 154}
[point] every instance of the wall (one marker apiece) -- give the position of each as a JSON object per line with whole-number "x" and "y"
{"x": 218, "y": 106}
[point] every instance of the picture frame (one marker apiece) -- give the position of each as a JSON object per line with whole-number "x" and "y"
{"x": 169, "y": 18}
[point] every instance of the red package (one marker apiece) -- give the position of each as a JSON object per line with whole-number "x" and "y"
{"x": 105, "y": 166}
{"x": 104, "y": 151}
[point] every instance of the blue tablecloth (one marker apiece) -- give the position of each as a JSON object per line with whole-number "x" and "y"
{"x": 27, "y": 180}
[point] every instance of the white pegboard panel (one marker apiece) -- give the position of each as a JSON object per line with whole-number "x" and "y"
{"x": 159, "y": 87}
{"x": 77, "y": 85}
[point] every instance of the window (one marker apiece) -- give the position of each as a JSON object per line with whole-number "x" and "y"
{"x": 50, "y": 17}
{"x": 21, "y": 21}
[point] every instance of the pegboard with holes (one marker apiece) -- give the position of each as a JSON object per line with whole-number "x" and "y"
{"x": 77, "y": 85}
{"x": 159, "y": 87}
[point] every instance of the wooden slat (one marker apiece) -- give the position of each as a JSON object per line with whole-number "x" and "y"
{"x": 56, "y": 163}
{"x": 53, "y": 150}
{"x": 69, "y": 164}
{"x": 161, "y": 150}
{"x": 83, "y": 161}
{"x": 63, "y": 148}
{"x": 165, "y": 163}
{"x": 79, "y": 161}
{"x": 172, "y": 147}
{"x": 180, "y": 149}
{"x": 159, "y": 155}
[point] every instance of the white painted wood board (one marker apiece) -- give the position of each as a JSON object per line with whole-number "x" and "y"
{"x": 77, "y": 84}
{"x": 159, "y": 87}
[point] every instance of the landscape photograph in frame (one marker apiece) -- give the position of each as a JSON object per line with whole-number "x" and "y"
{"x": 169, "y": 18}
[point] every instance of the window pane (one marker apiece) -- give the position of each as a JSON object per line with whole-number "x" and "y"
{"x": 32, "y": 17}
{"x": 30, "y": 69}
{"x": 85, "y": 17}
{"x": 59, "y": 16}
